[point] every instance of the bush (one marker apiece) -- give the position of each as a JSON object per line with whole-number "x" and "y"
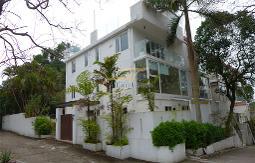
{"x": 214, "y": 133}
{"x": 5, "y": 157}
{"x": 168, "y": 134}
{"x": 91, "y": 130}
{"x": 43, "y": 125}
{"x": 201, "y": 135}
{"x": 195, "y": 134}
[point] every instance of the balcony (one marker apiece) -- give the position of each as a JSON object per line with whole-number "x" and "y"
{"x": 156, "y": 51}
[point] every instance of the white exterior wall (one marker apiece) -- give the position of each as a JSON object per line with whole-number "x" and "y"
{"x": 19, "y": 124}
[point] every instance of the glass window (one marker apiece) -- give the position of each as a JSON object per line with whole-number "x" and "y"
{"x": 121, "y": 42}
{"x": 117, "y": 44}
{"x": 174, "y": 80}
{"x": 153, "y": 68}
{"x": 204, "y": 87}
{"x": 141, "y": 74}
{"x": 184, "y": 83}
{"x": 155, "y": 49}
{"x": 73, "y": 67}
{"x": 165, "y": 78}
{"x": 124, "y": 42}
{"x": 86, "y": 60}
{"x": 97, "y": 54}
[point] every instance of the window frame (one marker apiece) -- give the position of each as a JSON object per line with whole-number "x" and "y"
{"x": 73, "y": 66}
{"x": 119, "y": 46}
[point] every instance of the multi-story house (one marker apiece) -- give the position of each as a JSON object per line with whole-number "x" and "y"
{"x": 141, "y": 44}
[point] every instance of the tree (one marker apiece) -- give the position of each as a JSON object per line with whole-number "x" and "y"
{"x": 225, "y": 44}
{"x": 13, "y": 34}
{"x": 107, "y": 75}
{"x": 34, "y": 86}
{"x": 180, "y": 8}
{"x": 85, "y": 87}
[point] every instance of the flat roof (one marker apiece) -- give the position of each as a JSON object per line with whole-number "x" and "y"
{"x": 103, "y": 39}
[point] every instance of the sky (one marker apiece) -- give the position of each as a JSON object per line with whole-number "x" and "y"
{"x": 107, "y": 15}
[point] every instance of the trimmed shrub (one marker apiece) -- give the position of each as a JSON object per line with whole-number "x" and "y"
{"x": 201, "y": 135}
{"x": 43, "y": 125}
{"x": 214, "y": 133}
{"x": 168, "y": 134}
{"x": 91, "y": 130}
{"x": 195, "y": 134}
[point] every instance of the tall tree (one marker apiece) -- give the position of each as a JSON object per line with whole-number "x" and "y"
{"x": 40, "y": 82}
{"x": 107, "y": 75}
{"x": 225, "y": 43}
{"x": 182, "y": 8}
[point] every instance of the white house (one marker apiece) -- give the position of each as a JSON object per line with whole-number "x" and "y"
{"x": 143, "y": 51}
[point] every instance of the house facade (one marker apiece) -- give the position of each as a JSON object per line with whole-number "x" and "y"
{"x": 141, "y": 44}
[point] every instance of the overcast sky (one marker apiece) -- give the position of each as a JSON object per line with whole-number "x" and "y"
{"x": 109, "y": 16}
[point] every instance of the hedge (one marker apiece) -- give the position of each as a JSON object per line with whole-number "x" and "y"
{"x": 43, "y": 125}
{"x": 194, "y": 134}
{"x": 168, "y": 134}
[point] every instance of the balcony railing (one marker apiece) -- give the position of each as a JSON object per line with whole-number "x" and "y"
{"x": 147, "y": 47}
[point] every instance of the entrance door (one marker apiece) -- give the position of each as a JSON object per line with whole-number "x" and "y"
{"x": 67, "y": 127}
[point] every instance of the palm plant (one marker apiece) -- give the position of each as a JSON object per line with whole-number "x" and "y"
{"x": 85, "y": 87}
{"x": 107, "y": 75}
{"x": 180, "y": 8}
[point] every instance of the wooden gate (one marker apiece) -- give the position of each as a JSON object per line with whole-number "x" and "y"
{"x": 67, "y": 127}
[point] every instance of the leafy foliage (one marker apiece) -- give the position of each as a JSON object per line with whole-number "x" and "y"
{"x": 147, "y": 89}
{"x": 40, "y": 81}
{"x": 194, "y": 134}
{"x": 168, "y": 134}
{"x": 5, "y": 157}
{"x": 43, "y": 125}
{"x": 107, "y": 75}
{"x": 91, "y": 129}
{"x": 225, "y": 46}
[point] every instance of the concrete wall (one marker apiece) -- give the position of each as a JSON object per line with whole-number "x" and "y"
{"x": 19, "y": 124}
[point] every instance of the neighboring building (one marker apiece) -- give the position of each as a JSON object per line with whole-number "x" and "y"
{"x": 242, "y": 110}
{"x": 143, "y": 51}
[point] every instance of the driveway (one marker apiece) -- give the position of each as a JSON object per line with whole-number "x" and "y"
{"x": 27, "y": 150}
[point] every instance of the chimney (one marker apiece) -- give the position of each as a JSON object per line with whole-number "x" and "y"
{"x": 93, "y": 37}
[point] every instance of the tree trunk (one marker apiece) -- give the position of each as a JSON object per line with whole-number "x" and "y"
{"x": 230, "y": 118}
{"x": 114, "y": 137}
{"x": 193, "y": 67}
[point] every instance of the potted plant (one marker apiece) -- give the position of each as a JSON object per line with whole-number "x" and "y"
{"x": 107, "y": 75}
{"x": 91, "y": 130}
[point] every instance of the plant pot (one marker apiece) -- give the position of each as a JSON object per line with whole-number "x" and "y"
{"x": 92, "y": 147}
{"x": 120, "y": 152}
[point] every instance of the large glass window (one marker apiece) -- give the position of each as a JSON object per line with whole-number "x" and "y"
{"x": 184, "y": 83}
{"x": 121, "y": 42}
{"x": 204, "y": 87}
{"x": 141, "y": 74}
{"x": 153, "y": 69}
{"x": 155, "y": 49}
{"x": 165, "y": 78}
{"x": 174, "y": 81}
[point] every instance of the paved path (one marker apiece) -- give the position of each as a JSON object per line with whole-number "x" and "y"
{"x": 237, "y": 155}
{"x": 27, "y": 150}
